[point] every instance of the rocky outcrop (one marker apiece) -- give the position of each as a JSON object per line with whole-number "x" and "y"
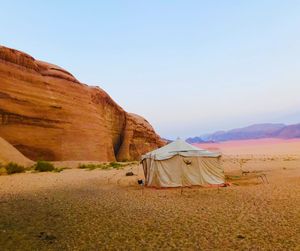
{"x": 135, "y": 145}
{"x": 46, "y": 113}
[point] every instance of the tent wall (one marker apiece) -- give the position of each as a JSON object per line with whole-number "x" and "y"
{"x": 183, "y": 171}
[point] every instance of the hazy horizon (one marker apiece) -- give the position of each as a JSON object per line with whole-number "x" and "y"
{"x": 188, "y": 67}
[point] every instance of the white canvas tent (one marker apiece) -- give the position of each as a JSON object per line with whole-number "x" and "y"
{"x": 180, "y": 164}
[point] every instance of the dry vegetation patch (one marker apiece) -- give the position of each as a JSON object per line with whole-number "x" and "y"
{"x": 107, "y": 165}
{"x": 11, "y": 168}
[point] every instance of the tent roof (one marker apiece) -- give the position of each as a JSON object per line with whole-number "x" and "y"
{"x": 178, "y": 147}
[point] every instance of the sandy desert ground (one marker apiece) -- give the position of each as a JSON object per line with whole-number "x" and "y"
{"x": 259, "y": 147}
{"x": 106, "y": 210}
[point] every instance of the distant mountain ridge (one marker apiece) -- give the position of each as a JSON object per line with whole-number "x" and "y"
{"x": 256, "y": 131}
{"x": 193, "y": 140}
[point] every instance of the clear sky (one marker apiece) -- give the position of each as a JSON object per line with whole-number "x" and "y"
{"x": 188, "y": 67}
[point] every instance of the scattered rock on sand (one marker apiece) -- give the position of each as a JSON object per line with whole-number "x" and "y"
{"x": 129, "y": 174}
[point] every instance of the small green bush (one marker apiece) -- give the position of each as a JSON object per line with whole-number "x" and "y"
{"x": 87, "y": 166}
{"x": 44, "y": 166}
{"x": 94, "y": 166}
{"x": 83, "y": 166}
{"x": 115, "y": 165}
{"x": 106, "y": 166}
{"x": 12, "y": 168}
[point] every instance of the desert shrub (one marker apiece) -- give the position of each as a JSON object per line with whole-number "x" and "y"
{"x": 115, "y": 165}
{"x": 44, "y": 166}
{"x": 88, "y": 166}
{"x": 82, "y": 166}
{"x": 59, "y": 169}
{"x": 106, "y": 166}
{"x": 103, "y": 166}
{"x": 2, "y": 169}
{"x": 12, "y": 168}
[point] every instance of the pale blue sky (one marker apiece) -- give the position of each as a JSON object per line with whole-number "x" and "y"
{"x": 188, "y": 67}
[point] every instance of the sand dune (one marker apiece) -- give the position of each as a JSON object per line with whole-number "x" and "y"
{"x": 10, "y": 154}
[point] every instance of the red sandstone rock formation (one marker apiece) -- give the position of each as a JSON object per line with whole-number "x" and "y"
{"x": 46, "y": 113}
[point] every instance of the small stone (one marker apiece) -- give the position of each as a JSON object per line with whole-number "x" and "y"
{"x": 129, "y": 174}
{"x": 46, "y": 236}
{"x": 239, "y": 236}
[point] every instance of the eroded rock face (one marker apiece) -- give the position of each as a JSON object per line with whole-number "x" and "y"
{"x": 46, "y": 113}
{"x": 135, "y": 144}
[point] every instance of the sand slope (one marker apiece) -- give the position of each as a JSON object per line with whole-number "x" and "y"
{"x": 10, "y": 154}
